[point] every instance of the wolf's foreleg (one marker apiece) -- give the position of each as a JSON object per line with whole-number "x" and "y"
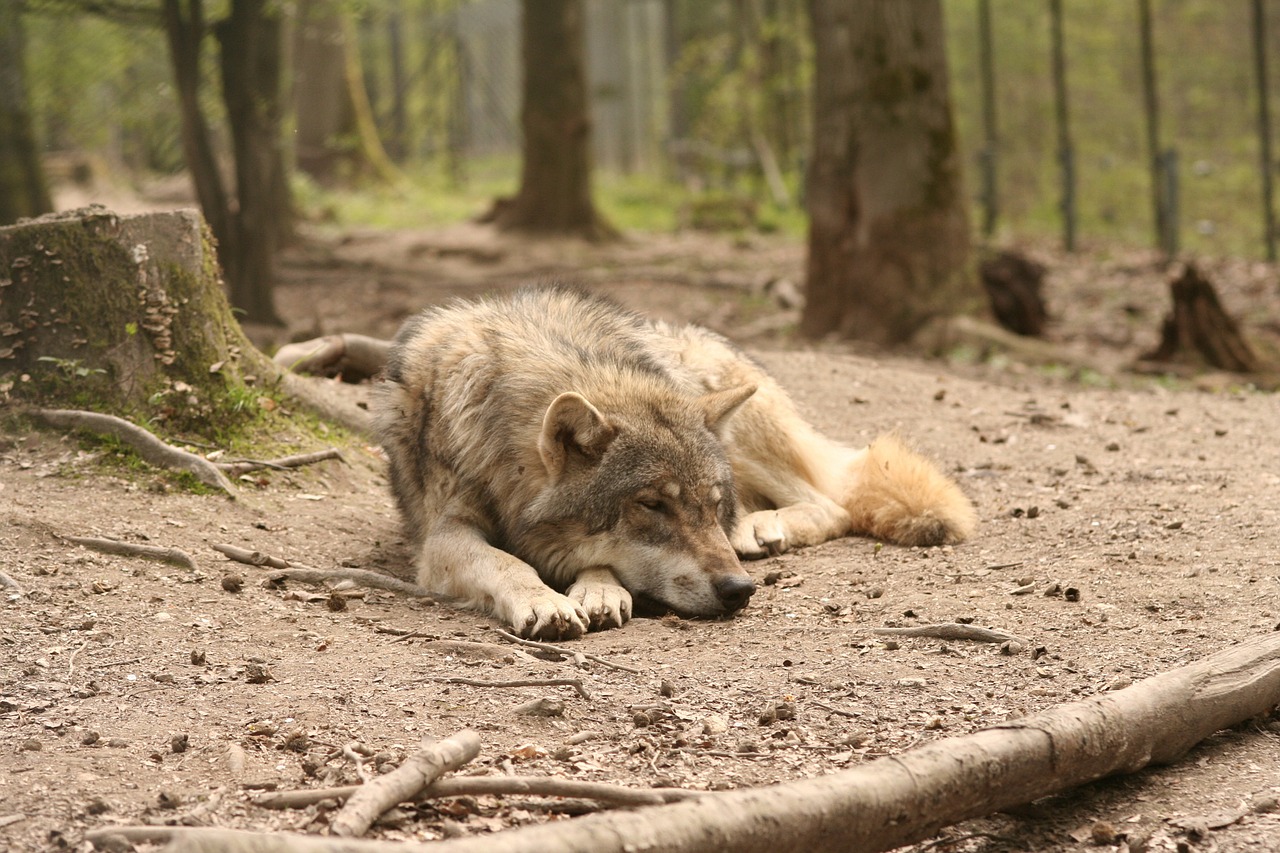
{"x": 608, "y": 605}
{"x": 455, "y": 560}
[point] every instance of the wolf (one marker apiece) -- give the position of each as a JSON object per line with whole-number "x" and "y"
{"x": 556, "y": 457}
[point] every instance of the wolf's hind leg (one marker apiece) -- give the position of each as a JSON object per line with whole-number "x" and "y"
{"x": 455, "y": 560}
{"x": 608, "y": 605}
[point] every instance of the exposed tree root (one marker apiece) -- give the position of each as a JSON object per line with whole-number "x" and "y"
{"x": 284, "y": 570}
{"x": 144, "y": 443}
{"x": 354, "y": 357}
{"x": 176, "y": 556}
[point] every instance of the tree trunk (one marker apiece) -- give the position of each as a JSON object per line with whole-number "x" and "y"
{"x": 250, "y": 39}
{"x": 888, "y": 233}
{"x": 23, "y": 191}
{"x": 555, "y": 181}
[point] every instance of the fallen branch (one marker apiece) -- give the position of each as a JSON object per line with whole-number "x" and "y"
{"x": 415, "y": 773}
{"x": 244, "y": 466}
{"x": 306, "y": 574}
{"x": 175, "y": 556}
{"x": 948, "y": 631}
{"x": 575, "y": 683}
{"x": 563, "y": 652}
{"x": 909, "y": 797}
{"x": 476, "y": 786}
{"x": 145, "y": 444}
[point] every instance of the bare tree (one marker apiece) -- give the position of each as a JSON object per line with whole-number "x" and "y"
{"x": 555, "y": 182}
{"x": 888, "y": 234}
{"x": 23, "y": 191}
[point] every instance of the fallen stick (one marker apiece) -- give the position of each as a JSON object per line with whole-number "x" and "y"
{"x": 908, "y": 797}
{"x": 948, "y": 631}
{"x": 306, "y": 574}
{"x": 416, "y": 772}
{"x": 145, "y": 444}
{"x": 244, "y": 466}
{"x": 355, "y": 356}
{"x": 475, "y": 786}
{"x": 575, "y": 683}
{"x": 568, "y": 653}
{"x": 9, "y": 583}
{"x": 175, "y": 556}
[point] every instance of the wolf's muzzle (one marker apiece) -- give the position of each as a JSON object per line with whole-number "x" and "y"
{"x": 734, "y": 591}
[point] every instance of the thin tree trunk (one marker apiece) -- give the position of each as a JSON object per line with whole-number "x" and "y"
{"x": 250, "y": 38}
{"x": 555, "y": 183}
{"x": 185, "y": 29}
{"x": 23, "y": 191}
{"x": 889, "y": 233}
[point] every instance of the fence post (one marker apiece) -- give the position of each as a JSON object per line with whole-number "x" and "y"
{"x": 1066, "y": 156}
{"x": 1151, "y": 103}
{"x": 1167, "y": 180}
{"x": 1264, "y": 126}
{"x": 990, "y": 199}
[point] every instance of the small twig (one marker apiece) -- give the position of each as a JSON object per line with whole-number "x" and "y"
{"x": 244, "y": 466}
{"x": 9, "y": 583}
{"x": 143, "y": 442}
{"x": 948, "y": 631}
{"x": 415, "y": 773}
{"x": 306, "y": 574}
{"x": 842, "y": 712}
{"x": 251, "y": 558}
{"x": 997, "y": 566}
{"x": 175, "y": 556}
{"x": 349, "y": 752}
{"x": 575, "y": 683}
{"x": 71, "y": 661}
{"x": 474, "y": 786}
{"x": 569, "y": 653}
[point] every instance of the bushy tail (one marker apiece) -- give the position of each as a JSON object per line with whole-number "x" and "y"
{"x": 897, "y": 495}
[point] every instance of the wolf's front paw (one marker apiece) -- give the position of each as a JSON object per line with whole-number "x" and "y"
{"x": 760, "y": 534}
{"x": 608, "y": 605}
{"x": 550, "y": 616}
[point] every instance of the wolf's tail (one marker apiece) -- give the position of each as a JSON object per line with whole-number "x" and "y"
{"x": 894, "y": 494}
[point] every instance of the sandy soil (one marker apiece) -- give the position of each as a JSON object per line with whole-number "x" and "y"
{"x": 135, "y": 691}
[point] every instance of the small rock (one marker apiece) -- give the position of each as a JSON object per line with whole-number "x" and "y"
{"x": 1071, "y": 594}
{"x": 666, "y": 689}
{"x": 714, "y": 725}
{"x": 97, "y": 806}
{"x": 179, "y": 743}
{"x": 771, "y": 578}
{"x": 640, "y": 719}
{"x": 197, "y": 657}
{"x": 297, "y": 741}
{"x": 113, "y": 843}
{"x": 336, "y": 602}
{"x": 748, "y": 746}
{"x": 31, "y": 745}
{"x": 168, "y": 800}
{"x": 257, "y": 673}
{"x": 1113, "y": 446}
{"x": 90, "y": 738}
{"x": 232, "y": 582}
{"x": 1010, "y": 648}
{"x": 547, "y": 706}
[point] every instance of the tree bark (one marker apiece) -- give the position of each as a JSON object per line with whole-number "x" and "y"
{"x": 23, "y": 191}
{"x": 555, "y": 181}
{"x": 250, "y": 40}
{"x": 889, "y": 232}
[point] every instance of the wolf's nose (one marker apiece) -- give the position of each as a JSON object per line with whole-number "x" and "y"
{"x": 734, "y": 591}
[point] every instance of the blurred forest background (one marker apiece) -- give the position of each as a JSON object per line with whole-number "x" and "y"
{"x": 407, "y": 113}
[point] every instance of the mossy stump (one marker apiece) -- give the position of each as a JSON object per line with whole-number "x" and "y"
{"x": 124, "y": 315}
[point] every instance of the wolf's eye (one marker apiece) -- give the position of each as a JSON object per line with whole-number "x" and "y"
{"x": 654, "y": 505}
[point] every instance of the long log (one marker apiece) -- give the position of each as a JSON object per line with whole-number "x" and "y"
{"x": 900, "y": 799}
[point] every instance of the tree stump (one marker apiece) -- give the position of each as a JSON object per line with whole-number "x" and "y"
{"x": 123, "y": 315}
{"x": 1014, "y": 283}
{"x": 1199, "y": 332}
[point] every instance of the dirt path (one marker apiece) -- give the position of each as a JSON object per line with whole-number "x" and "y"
{"x": 1124, "y": 531}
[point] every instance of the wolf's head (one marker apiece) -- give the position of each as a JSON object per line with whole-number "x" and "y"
{"x": 645, "y": 490}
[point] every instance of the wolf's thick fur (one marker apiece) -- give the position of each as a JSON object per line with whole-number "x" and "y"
{"x": 554, "y": 441}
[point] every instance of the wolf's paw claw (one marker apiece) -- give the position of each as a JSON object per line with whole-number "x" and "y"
{"x": 760, "y": 534}
{"x": 552, "y": 617}
{"x": 607, "y": 604}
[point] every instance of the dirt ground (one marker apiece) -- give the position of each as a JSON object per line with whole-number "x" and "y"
{"x": 135, "y": 691}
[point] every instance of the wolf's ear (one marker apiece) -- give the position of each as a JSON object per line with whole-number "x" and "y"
{"x": 719, "y": 405}
{"x": 572, "y": 426}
